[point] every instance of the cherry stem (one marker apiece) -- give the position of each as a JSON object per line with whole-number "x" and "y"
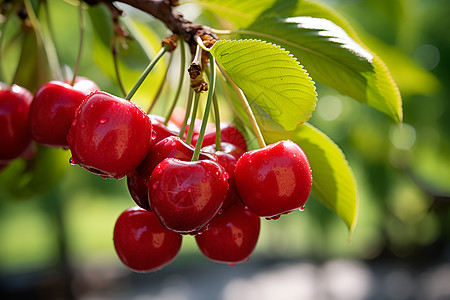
{"x": 217, "y": 121}
{"x": 115, "y": 52}
{"x": 193, "y": 117}
{"x": 161, "y": 85}
{"x": 247, "y": 108}
{"x": 212, "y": 84}
{"x": 147, "y": 70}
{"x": 188, "y": 112}
{"x": 80, "y": 46}
{"x": 46, "y": 44}
{"x": 180, "y": 81}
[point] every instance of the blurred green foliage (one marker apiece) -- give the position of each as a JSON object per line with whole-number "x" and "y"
{"x": 403, "y": 171}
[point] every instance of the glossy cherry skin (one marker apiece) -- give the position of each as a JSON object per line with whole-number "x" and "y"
{"x": 162, "y": 131}
{"x": 170, "y": 147}
{"x": 84, "y": 85}
{"x": 15, "y": 136}
{"x": 52, "y": 113}
{"x": 274, "y": 180}
{"x": 186, "y": 195}
{"x": 231, "y": 236}
{"x": 228, "y": 162}
{"x": 142, "y": 243}
{"x": 229, "y": 134}
{"x": 109, "y": 135}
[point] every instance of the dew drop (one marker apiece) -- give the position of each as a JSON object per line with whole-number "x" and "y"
{"x": 74, "y": 122}
{"x": 301, "y": 208}
{"x": 155, "y": 185}
{"x": 265, "y": 161}
{"x": 189, "y": 190}
{"x": 83, "y": 125}
{"x": 72, "y": 162}
{"x": 204, "y": 180}
{"x": 103, "y": 120}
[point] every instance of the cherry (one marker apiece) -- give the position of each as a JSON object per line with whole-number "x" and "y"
{"x": 15, "y": 137}
{"x": 228, "y": 133}
{"x": 52, "y": 112}
{"x": 274, "y": 180}
{"x": 162, "y": 131}
{"x": 187, "y": 195}
{"x": 170, "y": 147}
{"x": 84, "y": 85}
{"x": 232, "y": 235}
{"x": 109, "y": 135}
{"x": 142, "y": 243}
{"x": 228, "y": 162}
{"x": 226, "y": 148}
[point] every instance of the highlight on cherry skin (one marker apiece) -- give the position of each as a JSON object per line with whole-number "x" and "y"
{"x": 142, "y": 243}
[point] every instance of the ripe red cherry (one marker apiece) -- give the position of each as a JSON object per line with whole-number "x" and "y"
{"x": 52, "y": 112}
{"x": 170, "y": 147}
{"x": 228, "y": 162}
{"x": 142, "y": 243}
{"x": 229, "y": 134}
{"x": 109, "y": 135}
{"x": 84, "y": 85}
{"x": 232, "y": 235}
{"x": 186, "y": 195}
{"x": 274, "y": 180}
{"x": 15, "y": 137}
{"x": 162, "y": 131}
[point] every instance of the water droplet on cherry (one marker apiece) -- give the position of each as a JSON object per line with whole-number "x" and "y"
{"x": 103, "y": 120}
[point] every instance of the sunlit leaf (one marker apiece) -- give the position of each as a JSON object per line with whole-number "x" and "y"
{"x": 333, "y": 58}
{"x": 271, "y": 77}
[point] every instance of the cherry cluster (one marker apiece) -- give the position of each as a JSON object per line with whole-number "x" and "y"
{"x": 218, "y": 198}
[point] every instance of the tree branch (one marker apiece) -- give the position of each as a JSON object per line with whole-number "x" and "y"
{"x": 163, "y": 11}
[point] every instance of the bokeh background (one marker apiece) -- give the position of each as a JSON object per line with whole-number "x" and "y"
{"x": 56, "y": 220}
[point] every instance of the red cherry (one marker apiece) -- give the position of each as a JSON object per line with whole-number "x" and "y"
{"x": 109, "y": 135}
{"x": 187, "y": 195}
{"x": 228, "y": 133}
{"x": 84, "y": 85}
{"x": 226, "y": 148}
{"x": 142, "y": 243}
{"x": 274, "y": 180}
{"x": 228, "y": 162}
{"x": 15, "y": 137}
{"x": 52, "y": 112}
{"x": 231, "y": 237}
{"x": 170, "y": 147}
{"x": 162, "y": 131}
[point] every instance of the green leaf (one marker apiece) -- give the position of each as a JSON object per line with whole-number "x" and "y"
{"x": 271, "y": 77}
{"x": 333, "y": 182}
{"x": 333, "y": 58}
{"x": 240, "y": 13}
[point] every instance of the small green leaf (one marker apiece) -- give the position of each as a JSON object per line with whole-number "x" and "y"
{"x": 333, "y": 58}
{"x": 333, "y": 181}
{"x": 271, "y": 77}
